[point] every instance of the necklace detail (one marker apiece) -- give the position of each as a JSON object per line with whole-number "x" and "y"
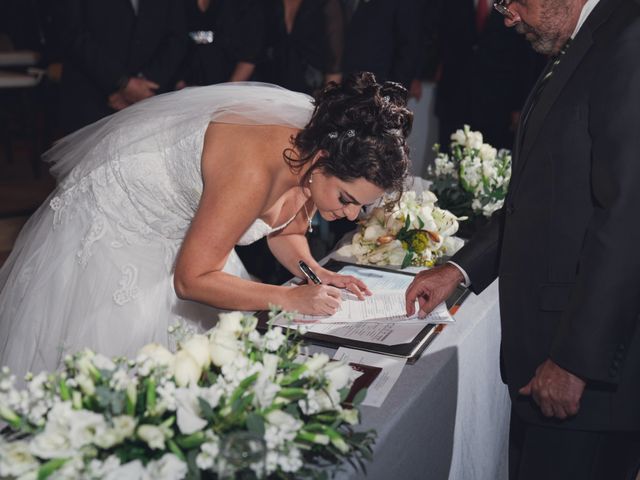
{"x": 309, "y": 219}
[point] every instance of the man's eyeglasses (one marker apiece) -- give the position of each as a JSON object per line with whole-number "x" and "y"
{"x": 502, "y": 6}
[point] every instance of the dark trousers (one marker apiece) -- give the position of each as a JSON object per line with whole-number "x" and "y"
{"x": 547, "y": 453}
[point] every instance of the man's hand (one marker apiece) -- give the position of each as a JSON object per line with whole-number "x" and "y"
{"x": 432, "y": 287}
{"x": 556, "y": 391}
{"x": 137, "y": 89}
{"x": 117, "y": 101}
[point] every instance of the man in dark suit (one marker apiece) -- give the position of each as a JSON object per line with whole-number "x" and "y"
{"x": 117, "y": 52}
{"x": 382, "y": 37}
{"x": 565, "y": 247}
{"x": 485, "y": 72}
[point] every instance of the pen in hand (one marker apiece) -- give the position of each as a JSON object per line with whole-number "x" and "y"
{"x": 313, "y": 278}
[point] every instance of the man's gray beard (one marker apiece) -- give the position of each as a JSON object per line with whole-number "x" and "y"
{"x": 541, "y": 43}
{"x": 545, "y": 40}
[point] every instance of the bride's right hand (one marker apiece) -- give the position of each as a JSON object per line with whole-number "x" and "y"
{"x": 314, "y": 299}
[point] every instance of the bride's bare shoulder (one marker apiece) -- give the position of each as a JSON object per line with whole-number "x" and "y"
{"x": 235, "y": 148}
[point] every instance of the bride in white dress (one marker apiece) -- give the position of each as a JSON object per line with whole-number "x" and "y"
{"x": 139, "y": 233}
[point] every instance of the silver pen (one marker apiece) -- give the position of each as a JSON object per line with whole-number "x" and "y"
{"x": 309, "y": 273}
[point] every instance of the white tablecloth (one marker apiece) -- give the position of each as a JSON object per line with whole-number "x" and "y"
{"x": 447, "y": 417}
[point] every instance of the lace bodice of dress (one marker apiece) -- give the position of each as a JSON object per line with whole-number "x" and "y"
{"x": 151, "y": 190}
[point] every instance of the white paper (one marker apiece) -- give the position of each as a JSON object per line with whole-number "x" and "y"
{"x": 392, "y": 367}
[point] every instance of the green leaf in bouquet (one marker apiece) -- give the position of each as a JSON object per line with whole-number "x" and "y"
{"x": 188, "y": 442}
{"x": 241, "y": 404}
{"x": 359, "y": 397}
{"x": 420, "y": 223}
{"x": 50, "y": 467}
{"x": 206, "y": 411}
{"x": 194, "y": 471}
{"x": 406, "y": 261}
{"x": 292, "y": 393}
{"x": 65, "y": 394}
{"x": 255, "y": 424}
{"x": 210, "y": 377}
{"x": 175, "y": 449}
{"x": 150, "y": 397}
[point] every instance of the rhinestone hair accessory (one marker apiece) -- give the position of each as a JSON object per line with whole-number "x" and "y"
{"x": 349, "y": 134}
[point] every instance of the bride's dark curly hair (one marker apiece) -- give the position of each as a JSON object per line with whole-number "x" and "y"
{"x": 363, "y": 127}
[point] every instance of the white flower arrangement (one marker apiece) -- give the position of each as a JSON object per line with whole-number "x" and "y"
{"x": 472, "y": 179}
{"x": 410, "y": 231}
{"x": 166, "y": 415}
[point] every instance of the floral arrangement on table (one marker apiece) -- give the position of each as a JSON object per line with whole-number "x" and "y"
{"x": 409, "y": 231}
{"x": 472, "y": 179}
{"x": 166, "y": 415}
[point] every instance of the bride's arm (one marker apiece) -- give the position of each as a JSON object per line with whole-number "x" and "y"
{"x": 232, "y": 199}
{"x": 291, "y": 245}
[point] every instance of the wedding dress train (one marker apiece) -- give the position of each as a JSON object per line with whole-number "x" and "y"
{"x": 93, "y": 266}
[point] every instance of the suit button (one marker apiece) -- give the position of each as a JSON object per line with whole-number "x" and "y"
{"x": 619, "y": 355}
{"x": 510, "y": 209}
{"x": 621, "y": 347}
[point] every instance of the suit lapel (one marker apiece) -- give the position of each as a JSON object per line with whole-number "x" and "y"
{"x": 527, "y": 134}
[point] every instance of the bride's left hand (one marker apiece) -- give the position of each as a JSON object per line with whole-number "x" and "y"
{"x": 348, "y": 282}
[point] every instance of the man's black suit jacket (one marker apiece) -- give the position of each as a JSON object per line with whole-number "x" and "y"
{"x": 384, "y": 37}
{"x": 105, "y": 41}
{"x": 566, "y": 246}
{"x": 485, "y": 76}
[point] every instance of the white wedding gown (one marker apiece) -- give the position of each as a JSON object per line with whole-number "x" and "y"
{"x": 93, "y": 266}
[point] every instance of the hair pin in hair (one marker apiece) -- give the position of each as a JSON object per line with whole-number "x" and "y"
{"x": 386, "y": 98}
{"x": 351, "y": 133}
{"x": 332, "y": 135}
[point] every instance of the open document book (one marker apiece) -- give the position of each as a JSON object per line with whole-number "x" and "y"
{"x": 378, "y": 323}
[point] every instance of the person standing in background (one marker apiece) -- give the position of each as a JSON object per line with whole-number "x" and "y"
{"x": 226, "y": 38}
{"x": 305, "y": 44}
{"x": 382, "y": 37}
{"x": 116, "y": 53}
{"x": 486, "y": 71}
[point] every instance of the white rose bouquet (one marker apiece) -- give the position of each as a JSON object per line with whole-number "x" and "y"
{"x": 472, "y": 179}
{"x": 166, "y": 415}
{"x": 409, "y": 231}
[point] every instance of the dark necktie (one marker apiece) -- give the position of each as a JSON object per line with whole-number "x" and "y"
{"x": 548, "y": 73}
{"x": 482, "y": 13}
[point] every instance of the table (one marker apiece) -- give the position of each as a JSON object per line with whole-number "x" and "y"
{"x": 447, "y": 417}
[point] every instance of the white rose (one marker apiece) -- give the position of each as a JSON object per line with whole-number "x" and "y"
{"x": 159, "y": 355}
{"x": 198, "y": 347}
{"x": 186, "y": 369}
{"x": 372, "y": 232}
{"x": 474, "y": 139}
{"x": 396, "y": 256}
{"x": 487, "y": 152}
{"x": 103, "y": 363}
{"x": 345, "y": 251}
{"x": 230, "y": 322}
{"x": 350, "y": 415}
{"x": 129, "y": 471}
{"x": 124, "y": 426}
{"x": 16, "y": 459}
{"x": 169, "y": 467}
{"x": 86, "y": 384}
{"x": 451, "y": 245}
{"x": 188, "y": 410}
{"x": 316, "y": 362}
{"x": 152, "y": 435}
{"x": 284, "y": 421}
{"x": 339, "y": 375}
{"x": 458, "y": 137}
{"x": 224, "y": 348}
{"x": 83, "y": 426}
{"x": 51, "y": 444}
